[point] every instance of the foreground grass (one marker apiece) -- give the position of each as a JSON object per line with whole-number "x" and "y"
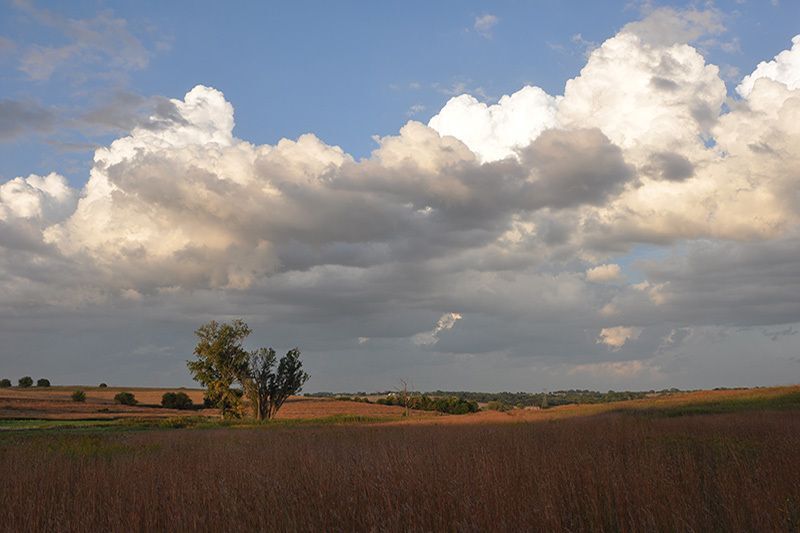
{"x": 735, "y": 471}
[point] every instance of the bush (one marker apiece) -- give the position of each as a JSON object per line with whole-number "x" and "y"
{"x": 25, "y": 382}
{"x": 79, "y": 396}
{"x": 5, "y": 383}
{"x": 43, "y": 382}
{"x": 103, "y": 386}
{"x": 125, "y": 398}
{"x": 495, "y": 405}
{"x": 176, "y": 400}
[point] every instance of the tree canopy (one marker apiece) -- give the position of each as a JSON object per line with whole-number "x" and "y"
{"x": 222, "y": 362}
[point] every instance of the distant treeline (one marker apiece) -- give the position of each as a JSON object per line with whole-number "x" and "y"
{"x": 517, "y": 399}
{"x": 445, "y": 403}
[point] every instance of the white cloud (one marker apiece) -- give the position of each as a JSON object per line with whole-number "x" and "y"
{"x": 784, "y": 68}
{"x": 415, "y": 109}
{"x": 46, "y": 198}
{"x": 616, "y": 337}
{"x": 497, "y": 131}
{"x": 491, "y": 210}
{"x": 604, "y": 273}
{"x": 445, "y": 322}
{"x": 484, "y": 24}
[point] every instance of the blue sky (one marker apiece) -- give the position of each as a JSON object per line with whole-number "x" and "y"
{"x": 345, "y": 70}
{"x": 626, "y": 218}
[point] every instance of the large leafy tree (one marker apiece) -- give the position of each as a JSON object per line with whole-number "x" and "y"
{"x": 268, "y": 387}
{"x": 221, "y": 361}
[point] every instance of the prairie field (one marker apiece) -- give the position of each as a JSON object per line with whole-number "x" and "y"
{"x": 717, "y": 460}
{"x": 54, "y": 403}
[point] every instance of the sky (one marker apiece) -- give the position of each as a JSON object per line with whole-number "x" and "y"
{"x": 512, "y": 195}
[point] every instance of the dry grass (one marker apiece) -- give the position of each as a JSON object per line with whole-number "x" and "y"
{"x": 54, "y": 403}
{"x": 612, "y": 472}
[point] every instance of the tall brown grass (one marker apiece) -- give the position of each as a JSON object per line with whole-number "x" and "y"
{"x": 612, "y": 472}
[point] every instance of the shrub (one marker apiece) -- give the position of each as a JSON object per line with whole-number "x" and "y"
{"x": 125, "y": 398}
{"x": 5, "y": 383}
{"x": 176, "y": 400}
{"x": 103, "y": 386}
{"x": 79, "y": 396}
{"x": 496, "y": 405}
{"x": 27, "y": 381}
{"x": 43, "y": 382}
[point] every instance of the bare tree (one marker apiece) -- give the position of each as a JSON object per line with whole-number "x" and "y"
{"x": 403, "y": 393}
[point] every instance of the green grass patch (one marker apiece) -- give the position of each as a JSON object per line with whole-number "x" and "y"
{"x": 33, "y": 424}
{"x": 182, "y": 422}
{"x": 729, "y": 405}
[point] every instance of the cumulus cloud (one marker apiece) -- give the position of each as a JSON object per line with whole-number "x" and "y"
{"x": 445, "y": 322}
{"x": 494, "y": 210}
{"x": 616, "y": 337}
{"x": 604, "y": 273}
{"x": 45, "y": 198}
{"x": 497, "y": 131}
{"x": 784, "y": 68}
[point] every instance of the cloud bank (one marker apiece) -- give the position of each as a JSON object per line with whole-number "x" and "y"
{"x": 513, "y": 213}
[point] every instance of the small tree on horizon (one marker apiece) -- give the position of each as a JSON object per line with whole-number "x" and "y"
{"x": 25, "y": 382}
{"x": 125, "y": 398}
{"x": 43, "y": 382}
{"x": 5, "y": 383}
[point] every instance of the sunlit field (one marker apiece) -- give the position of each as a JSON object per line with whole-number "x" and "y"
{"x": 726, "y": 460}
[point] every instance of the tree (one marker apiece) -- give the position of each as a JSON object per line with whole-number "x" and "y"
{"x": 26, "y": 381}
{"x": 403, "y": 393}
{"x": 5, "y": 383}
{"x": 176, "y": 400}
{"x": 103, "y": 386}
{"x": 125, "y": 398}
{"x": 43, "y": 382}
{"x": 221, "y": 362}
{"x": 266, "y": 388}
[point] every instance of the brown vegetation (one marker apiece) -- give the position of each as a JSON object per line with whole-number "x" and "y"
{"x": 612, "y": 472}
{"x": 55, "y": 403}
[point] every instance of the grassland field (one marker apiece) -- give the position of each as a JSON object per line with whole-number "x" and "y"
{"x": 702, "y": 461}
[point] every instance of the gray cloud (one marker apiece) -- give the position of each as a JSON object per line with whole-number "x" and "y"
{"x": 576, "y": 167}
{"x": 103, "y": 41}
{"x": 20, "y": 117}
{"x": 669, "y": 166}
{"x": 124, "y": 111}
{"x": 181, "y": 222}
